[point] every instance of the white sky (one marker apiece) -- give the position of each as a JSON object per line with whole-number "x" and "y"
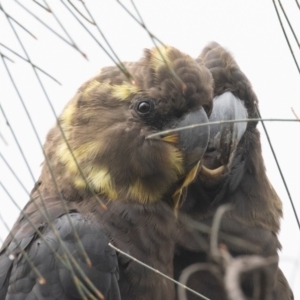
{"x": 249, "y": 29}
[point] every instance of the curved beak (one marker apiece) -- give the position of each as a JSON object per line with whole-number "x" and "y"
{"x": 193, "y": 142}
{"x": 227, "y": 107}
{"x": 224, "y": 138}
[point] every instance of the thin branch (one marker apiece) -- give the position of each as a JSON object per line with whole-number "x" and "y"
{"x": 41, "y": 145}
{"x": 215, "y": 229}
{"x": 53, "y": 31}
{"x": 80, "y": 13}
{"x": 189, "y": 271}
{"x": 60, "y": 128}
{"x": 67, "y": 254}
{"x": 289, "y": 23}
{"x": 295, "y": 114}
{"x": 18, "y": 23}
{"x": 237, "y": 267}
{"x": 64, "y": 30}
{"x": 167, "y": 132}
{"x": 15, "y": 174}
{"x": 25, "y": 59}
{"x": 285, "y": 35}
{"x": 6, "y": 57}
{"x": 153, "y": 38}
{"x": 123, "y": 70}
{"x": 41, "y": 279}
{"x": 58, "y": 123}
{"x": 140, "y": 23}
{"x": 42, "y": 6}
{"x": 44, "y": 212}
{"x": 227, "y": 237}
{"x": 105, "y": 39}
{"x": 157, "y": 271}
{"x": 278, "y": 166}
{"x": 3, "y": 139}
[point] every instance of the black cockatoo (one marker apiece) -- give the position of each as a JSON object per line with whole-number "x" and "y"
{"x": 233, "y": 172}
{"x": 115, "y": 186}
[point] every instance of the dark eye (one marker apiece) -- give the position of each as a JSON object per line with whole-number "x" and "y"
{"x": 143, "y": 107}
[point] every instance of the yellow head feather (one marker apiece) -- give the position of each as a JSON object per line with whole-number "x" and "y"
{"x": 124, "y": 91}
{"x": 93, "y": 84}
{"x": 159, "y": 57}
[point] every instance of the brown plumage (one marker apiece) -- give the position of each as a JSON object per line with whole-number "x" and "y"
{"x": 233, "y": 172}
{"x": 106, "y": 125}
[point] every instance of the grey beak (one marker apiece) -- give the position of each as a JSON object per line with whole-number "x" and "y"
{"x": 227, "y": 107}
{"x": 194, "y": 141}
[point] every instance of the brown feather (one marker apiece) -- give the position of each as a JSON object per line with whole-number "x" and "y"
{"x": 134, "y": 177}
{"x": 255, "y": 206}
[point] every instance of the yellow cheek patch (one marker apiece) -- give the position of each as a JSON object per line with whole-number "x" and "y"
{"x": 187, "y": 181}
{"x": 159, "y": 57}
{"x": 101, "y": 181}
{"x": 191, "y": 175}
{"x": 67, "y": 115}
{"x": 98, "y": 179}
{"x": 124, "y": 91}
{"x": 138, "y": 191}
{"x": 66, "y": 158}
{"x": 86, "y": 151}
{"x": 173, "y": 138}
{"x": 176, "y": 160}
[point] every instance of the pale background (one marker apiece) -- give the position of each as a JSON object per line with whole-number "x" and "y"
{"x": 249, "y": 29}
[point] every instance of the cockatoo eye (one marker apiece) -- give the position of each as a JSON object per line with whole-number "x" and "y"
{"x": 144, "y": 107}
